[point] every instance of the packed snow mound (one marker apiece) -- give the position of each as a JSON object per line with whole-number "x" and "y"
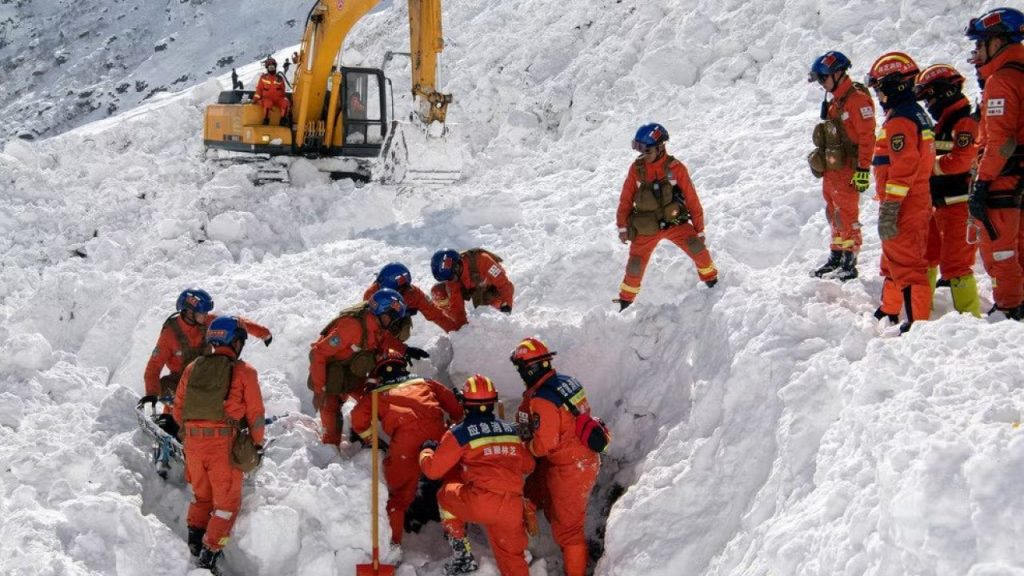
{"x": 766, "y": 426}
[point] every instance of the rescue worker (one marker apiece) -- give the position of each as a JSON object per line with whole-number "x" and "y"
{"x": 995, "y": 200}
{"x": 940, "y": 87}
{"x": 344, "y": 355}
{"x": 493, "y": 462}
{"x": 842, "y": 158}
{"x": 183, "y": 339}
{"x": 271, "y": 92}
{"x": 658, "y": 202}
{"x": 566, "y": 468}
{"x": 412, "y": 411}
{"x": 217, "y": 391}
{"x": 904, "y": 158}
{"x": 475, "y": 275}
{"x": 398, "y": 278}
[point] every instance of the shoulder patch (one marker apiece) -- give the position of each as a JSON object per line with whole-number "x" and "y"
{"x": 964, "y": 139}
{"x": 866, "y": 112}
{"x": 897, "y": 142}
{"x": 494, "y": 271}
{"x": 995, "y": 106}
{"x": 334, "y": 341}
{"x": 845, "y": 115}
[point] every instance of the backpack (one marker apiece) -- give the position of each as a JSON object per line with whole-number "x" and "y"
{"x": 592, "y": 432}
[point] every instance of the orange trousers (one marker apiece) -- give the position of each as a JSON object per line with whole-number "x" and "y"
{"x": 641, "y": 248}
{"x": 842, "y": 210}
{"x": 331, "y": 418}
{"x": 562, "y": 493}
{"x": 281, "y": 102}
{"x": 216, "y": 488}
{"x": 402, "y": 473}
{"x": 905, "y": 267}
{"x": 1003, "y": 256}
{"x": 501, "y": 515}
{"x": 947, "y": 242}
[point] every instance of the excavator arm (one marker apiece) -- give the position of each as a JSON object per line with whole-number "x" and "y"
{"x": 426, "y": 43}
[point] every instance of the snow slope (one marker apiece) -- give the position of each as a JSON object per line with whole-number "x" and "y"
{"x": 762, "y": 427}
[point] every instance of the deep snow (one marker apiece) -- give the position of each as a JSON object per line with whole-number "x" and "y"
{"x": 762, "y": 427}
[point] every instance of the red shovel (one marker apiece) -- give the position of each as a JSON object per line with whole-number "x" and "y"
{"x": 375, "y": 568}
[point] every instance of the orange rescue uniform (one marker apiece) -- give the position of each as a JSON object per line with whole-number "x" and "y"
{"x": 451, "y": 296}
{"x": 956, "y": 145}
{"x": 342, "y": 340}
{"x": 566, "y": 468}
{"x": 493, "y": 462}
{"x": 417, "y": 301}
{"x": 411, "y": 412}
{"x": 842, "y": 201}
{"x": 181, "y": 341}
{"x": 1002, "y": 164}
{"x": 270, "y": 92}
{"x": 216, "y": 484}
{"x": 683, "y": 235}
{"x": 904, "y": 158}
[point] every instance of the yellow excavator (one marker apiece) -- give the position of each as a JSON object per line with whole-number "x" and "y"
{"x": 339, "y": 114}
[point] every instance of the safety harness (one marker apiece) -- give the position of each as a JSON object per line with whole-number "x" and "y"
{"x": 481, "y": 293}
{"x": 658, "y": 204}
{"x": 169, "y": 382}
{"x": 950, "y": 188}
{"x": 344, "y": 376}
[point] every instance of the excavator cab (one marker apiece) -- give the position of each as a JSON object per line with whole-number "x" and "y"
{"x": 365, "y": 112}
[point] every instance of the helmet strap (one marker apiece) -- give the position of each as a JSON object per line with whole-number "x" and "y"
{"x": 189, "y": 315}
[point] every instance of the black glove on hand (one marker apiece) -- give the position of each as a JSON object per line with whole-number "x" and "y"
{"x": 268, "y": 340}
{"x": 259, "y": 454}
{"x": 507, "y": 309}
{"x": 429, "y": 445}
{"x": 978, "y": 199}
{"x": 149, "y": 399}
{"x": 416, "y": 353}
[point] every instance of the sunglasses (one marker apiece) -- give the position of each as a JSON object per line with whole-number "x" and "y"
{"x": 642, "y": 148}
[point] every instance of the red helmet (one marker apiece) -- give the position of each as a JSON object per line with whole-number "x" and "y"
{"x": 269, "y": 62}
{"x": 530, "y": 350}
{"x": 936, "y": 80}
{"x": 892, "y": 70}
{"x": 390, "y": 364}
{"x": 479, "y": 389}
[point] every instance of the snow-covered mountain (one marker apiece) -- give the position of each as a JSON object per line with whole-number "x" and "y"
{"x": 765, "y": 426}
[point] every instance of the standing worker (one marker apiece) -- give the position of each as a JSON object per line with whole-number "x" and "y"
{"x": 940, "y": 87}
{"x": 658, "y": 202}
{"x": 566, "y": 468}
{"x": 842, "y": 158}
{"x": 493, "y": 462}
{"x": 217, "y": 391}
{"x": 904, "y": 159}
{"x": 995, "y": 201}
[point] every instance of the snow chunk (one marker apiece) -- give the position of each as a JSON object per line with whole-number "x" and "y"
{"x": 12, "y": 409}
{"x": 26, "y": 353}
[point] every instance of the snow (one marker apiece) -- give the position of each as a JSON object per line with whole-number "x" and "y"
{"x": 766, "y": 426}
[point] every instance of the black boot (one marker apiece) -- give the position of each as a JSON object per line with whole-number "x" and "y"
{"x": 833, "y": 263}
{"x": 623, "y": 304}
{"x": 847, "y": 267}
{"x": 711, "y": 283}
{"x": 208, "y": 559}
{"x": 266, "y": 121}
{"x": 195, "y": 540}
{"x": 462, "y": 560}
{"x": 893, "y": 318}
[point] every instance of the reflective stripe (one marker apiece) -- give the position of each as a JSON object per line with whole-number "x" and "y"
{"x": 943, "y": 145}
{"x": 896, "y": 189}
{"x": 1002, "y": 255}
{"x": 503, "y": 439}
{"x": 956, "y": 199}
{"x": 225, "y": 514}
{"x": 627, "y": 288}
{"x": 366, "y": 433}
{"x": 928, "y": 134}
{"x": 847, "y": 243}
{"x": 707, "y": 270}
{"x": 446, "y": 515}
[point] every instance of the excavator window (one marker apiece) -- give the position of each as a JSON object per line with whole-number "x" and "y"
{"x": 363, "y": 97}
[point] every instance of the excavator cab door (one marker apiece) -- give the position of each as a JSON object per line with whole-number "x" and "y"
{"x": 364, "y": 112}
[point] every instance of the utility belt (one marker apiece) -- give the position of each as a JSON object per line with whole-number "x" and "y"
{"x": 949, "y": 189}
{"x": 1003, "y": 200}
{"x": 1014, "y": 164}
{"x": 209, "y": 432}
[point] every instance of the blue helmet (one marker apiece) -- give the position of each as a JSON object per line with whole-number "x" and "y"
{"x": 827, "y": 64}
{"x": 649, "y": 135}
{"x": 1007, "y": 22}
{"x": 196, "y": 300}
{"x": 395, "y": 276}
{"x": 225, "y": 331}
{"x": 442, "y": 264}
{"x": 386, "y": 301}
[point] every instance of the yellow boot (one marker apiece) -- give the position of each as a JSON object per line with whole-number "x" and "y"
{"x": 933, "y": 277}
{"x": 965, "y": 295}
{"x": 574, "y": 556}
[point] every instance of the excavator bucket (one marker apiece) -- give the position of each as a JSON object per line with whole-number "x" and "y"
{"x": 414, "y": 154}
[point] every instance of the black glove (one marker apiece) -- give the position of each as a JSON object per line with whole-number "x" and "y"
{"x": 429, "y": 445}
{"x": 458, "y": 395}
{"x": 412, "y": 312}
{"x": 506, "y": 308}
{"x": 268, "y": 340}
{"x": 416, "y": 353}
{"x": 148, "y": 399}
{"x": 977, "y": 204}
{"x": 259, "y": 454}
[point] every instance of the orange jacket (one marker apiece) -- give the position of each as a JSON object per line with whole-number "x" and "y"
{"x": 417, "y": 404}
{"x": 343, "y": 340}
{"x": 417, "y": 301}
{"x": 492, "y": 456}
{"x": 492, "y": 274}
{"x": 656, "y": 171}
{"x": 442, "y": 293}
{"x": 244, "y": 398}
{"x": 553, "y": 425}
{"x": 858, "y": 116}
{"x": 168, "y": 351}
{"x": 956, "y": 145}
{"x": 270, "y": 86}
{"x": 1002, "y": 116}
{"x": 905, "y": 156}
